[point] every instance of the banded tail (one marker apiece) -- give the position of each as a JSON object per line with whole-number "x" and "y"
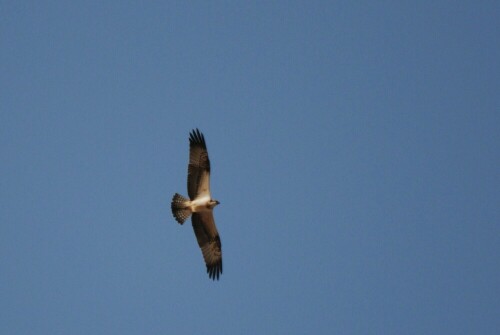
{"x": 179, "y": 210}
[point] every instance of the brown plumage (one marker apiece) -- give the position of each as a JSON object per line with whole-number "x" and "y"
{"x": 200, "y": 205}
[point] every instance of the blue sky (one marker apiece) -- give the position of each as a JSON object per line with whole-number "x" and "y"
{"x": 354, "y": 149}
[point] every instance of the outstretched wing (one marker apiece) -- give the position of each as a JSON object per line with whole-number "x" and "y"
{"x": 199, "y": 166}
{"x": 209, "y": 242}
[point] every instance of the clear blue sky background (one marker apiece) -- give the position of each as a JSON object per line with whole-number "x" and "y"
{"x": 354, "y": 147}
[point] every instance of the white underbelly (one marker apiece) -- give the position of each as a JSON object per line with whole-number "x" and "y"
{"x": 200, "y": 205}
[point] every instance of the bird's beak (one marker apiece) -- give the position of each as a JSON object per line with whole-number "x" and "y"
{"x": 217, "y": 202}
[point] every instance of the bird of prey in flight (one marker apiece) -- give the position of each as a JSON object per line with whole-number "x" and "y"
{"x": 200, "y": 205}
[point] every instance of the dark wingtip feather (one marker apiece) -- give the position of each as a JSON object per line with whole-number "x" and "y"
{"x": 214, "y": 271}
{"x": 196, "y": 138}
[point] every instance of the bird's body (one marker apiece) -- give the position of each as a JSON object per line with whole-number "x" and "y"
{"x": 200, "y": 205}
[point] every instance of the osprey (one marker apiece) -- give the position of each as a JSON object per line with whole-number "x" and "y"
{"x": 200, "y": 205}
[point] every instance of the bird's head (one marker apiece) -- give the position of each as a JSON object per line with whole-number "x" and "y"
{"x": 212, "y": 203}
